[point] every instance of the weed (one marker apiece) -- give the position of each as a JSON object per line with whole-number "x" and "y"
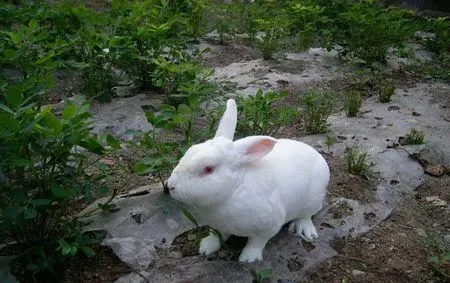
{"x": 385, "y": 92}
{"x": 318, "y": 107}
{"x": 352, "y": 104}
{"x": 98, "y": 83}
{"x": 262, "y": 275}
{"x": 414, "y": 137}
{"x": 357, "y": 162}
{"x": 438, "y": 255}
{"x": 329, "y": 142}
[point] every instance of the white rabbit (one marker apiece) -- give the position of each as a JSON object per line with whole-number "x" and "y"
{"x": 250, "y": 187}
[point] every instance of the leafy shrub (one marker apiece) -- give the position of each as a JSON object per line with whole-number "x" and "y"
{"x": 318, "y": 107}
{"x": 169, "y": 76}
{"x": 307, "y": 20}
{"x": 352, "y": 104}
{"x": 147, "y": 30}
{"x": 357, "y": 161}
{"x": 271, "y": 33}
{"x": 441, "y": 27}
{"x": 42, "y": 171}
{"x": 365, "y": 30}
{"x": 259, "y": 115}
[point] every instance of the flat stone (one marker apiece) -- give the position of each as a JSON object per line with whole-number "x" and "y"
{"x": 356, "y": 272}
{"x": 436, "y": 170}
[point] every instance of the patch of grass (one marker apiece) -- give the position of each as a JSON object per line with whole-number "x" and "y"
{"x": 386, "y": 90}
{"x": 318, "y": 107}
{"x": 438, "y": 256}
{"x": 353, "y": 102}
{"x": 415, "y": 137}
{"x": 329, "y": 142}
{"x": 357, "y": 162}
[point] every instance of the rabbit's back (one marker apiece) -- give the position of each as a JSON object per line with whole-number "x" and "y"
{"x": 296, "y": 174}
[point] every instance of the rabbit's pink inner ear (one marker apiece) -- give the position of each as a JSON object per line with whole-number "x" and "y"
{"x": 256, "y": 148}
{"x": 263, "y": 146}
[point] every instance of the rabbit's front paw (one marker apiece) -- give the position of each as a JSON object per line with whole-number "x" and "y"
{"x": 209, "y": 245}
{"x": 250, "y": 255}
{"x": 305, "y": 229}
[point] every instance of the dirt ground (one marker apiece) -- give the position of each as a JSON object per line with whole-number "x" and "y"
{"x": 399, "y": 248}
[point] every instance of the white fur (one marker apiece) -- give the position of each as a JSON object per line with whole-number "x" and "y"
{"x": 258, "y": 184}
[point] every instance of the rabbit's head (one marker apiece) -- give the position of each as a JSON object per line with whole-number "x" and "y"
{"x": 210, "y": 172}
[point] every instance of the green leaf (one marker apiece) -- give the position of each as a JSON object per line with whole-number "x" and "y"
{"x": 141, "y": 168}
{"x": 19, "y": 196}
{"x": 41, "y": 202}
{"x": 15, "y": 37}
{"x": 20, "y": 162}
{"x": 14, "y": 96}
{"x": 88, "y": 251}
{"x": 62, "y": 193}
{"x": 47, "y": 57}
{"x": 6, "y": 109}
{"x": 190, "y": 216}
{"x": 112, "y": 142}
{"x": 13, "y": 211}
{"x": 69, "y": 111}
{"x": 30, "y": 213}
{"x": 92, "y": 145}
{"x": 10, "y": 54}
{"x": 49, "y": 120}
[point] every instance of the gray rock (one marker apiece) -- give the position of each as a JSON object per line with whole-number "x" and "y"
{"x": 137, "y": 253}
{"x": 135, "y": 277}
{"x": 123, "y": 115}
{"x": 424, "y": 35}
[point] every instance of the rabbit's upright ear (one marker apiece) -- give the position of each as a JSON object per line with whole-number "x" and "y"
{"x": 253, "y": 148}
{"x": 227, "y": 124}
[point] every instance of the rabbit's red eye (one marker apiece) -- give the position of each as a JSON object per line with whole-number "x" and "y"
{"x": 207, "y": 170}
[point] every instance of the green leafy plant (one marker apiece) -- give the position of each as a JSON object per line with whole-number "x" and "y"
{"x": 42, "y": 171}
{"x": 271, "y": 33}
{"x": 414, "y": 137}
{"x": 170, "y": 75}
{"x": 306, "y": 19}
{"x": 262, "y": 275}
{"x": 365, "y": 30}
{"x": 259, "y": 115}
{"x": 357, "y": 162}
{"x": 353, "y": 102}
{"x": 318, "y": 107}
{"x": 385, "y": 92}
